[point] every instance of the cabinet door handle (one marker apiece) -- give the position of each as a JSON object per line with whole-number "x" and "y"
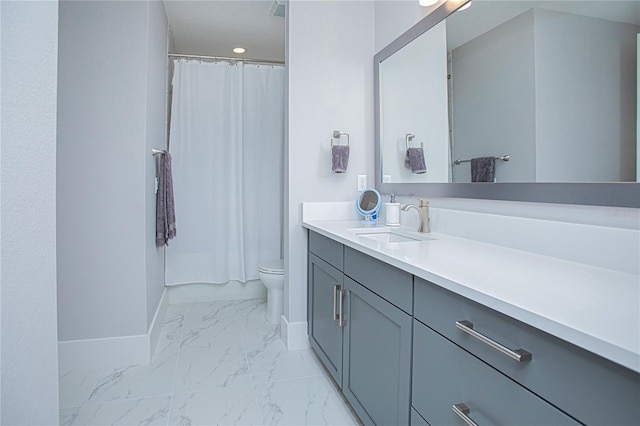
{"x": 341, "y": 321}
{"x": 335, "y": 301}
{"x": 462, "y": 410}
{"x": 519, "y": 355}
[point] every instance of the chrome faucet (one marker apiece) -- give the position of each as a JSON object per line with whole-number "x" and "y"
{"x": 423, "y": 212}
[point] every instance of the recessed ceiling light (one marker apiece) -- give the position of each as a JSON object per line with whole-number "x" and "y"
{"x": 427, "y": 2}
{"x": 239, "y": 50}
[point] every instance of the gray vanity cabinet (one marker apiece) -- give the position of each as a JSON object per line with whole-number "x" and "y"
{"x": 325, "y": 286}
{"x": 377, "y": 357}
{"x": 406, "y": 351}
{"x": 456, "y": 359}
{"x": 445, "y": 375}
{"x": 360, "y": 328}
{"x": 325, "y": 333}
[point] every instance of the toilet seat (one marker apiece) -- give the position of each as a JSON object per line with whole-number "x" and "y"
{"x": 274, "y": 267}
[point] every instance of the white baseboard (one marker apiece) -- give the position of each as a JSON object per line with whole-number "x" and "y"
{"x": 202, "y": 292}
{"x": 116, "y": 352}
{"x": 294, "y": 334}
{"x": 112, "y": 352}
{"x": 156, "y": 325}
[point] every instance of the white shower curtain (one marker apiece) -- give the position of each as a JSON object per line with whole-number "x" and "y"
{"x": 227, "y": 145}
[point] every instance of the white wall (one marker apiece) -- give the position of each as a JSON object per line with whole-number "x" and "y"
{"x": 157, "y": 77}
{"x": 413, "y": 93}
{"x": 0, "y": 223}
{"x": 589, "y": 134}
{"x": 494, "y": 101}
{"x": 29, "y": 390}
{"x": 394, "y": 17}
{"x": 512, "y": 105}
{"x": 330, "y": 87}
{"x": 112, "y": 107}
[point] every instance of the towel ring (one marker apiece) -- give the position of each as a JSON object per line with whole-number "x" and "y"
{"x": 337, "y": 134}
{"x": 408, "y": 138}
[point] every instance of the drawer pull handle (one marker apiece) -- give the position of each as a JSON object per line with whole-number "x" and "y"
{"x": 341, "y": 321}
{"x": 335, "y": 301}
{"x": 462, "y": 410}
{"x": 519, "y": 355}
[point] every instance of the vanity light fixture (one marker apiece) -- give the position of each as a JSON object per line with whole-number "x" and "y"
{"x": 425, "y": 3}
{"x": 239, "y": 50}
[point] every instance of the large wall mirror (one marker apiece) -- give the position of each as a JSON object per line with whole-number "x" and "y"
{"x": 547, "y": 90}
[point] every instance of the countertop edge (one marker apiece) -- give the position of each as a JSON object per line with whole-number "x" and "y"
{"x": 600, "y": 347}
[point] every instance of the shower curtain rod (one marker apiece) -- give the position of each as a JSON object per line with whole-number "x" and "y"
{"x": 224, "y": 58}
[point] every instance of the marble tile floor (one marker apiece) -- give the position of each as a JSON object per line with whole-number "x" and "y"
{"x": 216, "y": 363}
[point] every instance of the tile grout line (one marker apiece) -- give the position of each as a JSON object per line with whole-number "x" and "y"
{"x": 246, "y": 359}
{"x": 175, "y": 373}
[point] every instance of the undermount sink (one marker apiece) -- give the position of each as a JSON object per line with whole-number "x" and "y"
{"x": 386, "y": 235}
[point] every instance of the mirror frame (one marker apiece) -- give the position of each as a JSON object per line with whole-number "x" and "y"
{"x": 614, "y": 194}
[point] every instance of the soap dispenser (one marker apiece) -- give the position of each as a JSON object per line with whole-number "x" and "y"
{"x": 392, "y": 212}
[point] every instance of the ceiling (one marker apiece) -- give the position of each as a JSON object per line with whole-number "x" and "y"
{"x": 214, "y": 28}
{"x": 484, "y": 15}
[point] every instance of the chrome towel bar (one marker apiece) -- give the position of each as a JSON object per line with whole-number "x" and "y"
{"x": 503, "y": 158}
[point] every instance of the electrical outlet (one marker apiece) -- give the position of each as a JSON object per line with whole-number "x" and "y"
{"x": 362, "y": 182}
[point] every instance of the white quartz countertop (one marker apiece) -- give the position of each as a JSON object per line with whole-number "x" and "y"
{"x": 594, "y": 308}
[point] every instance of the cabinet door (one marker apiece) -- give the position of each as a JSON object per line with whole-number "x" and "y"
{"x": 377, "y": 357}
{"x": 325, "y": 333}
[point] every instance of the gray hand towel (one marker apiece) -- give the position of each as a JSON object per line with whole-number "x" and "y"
{"x": 414, "y": 160}
{"x": 483, "y": 169}
{"x": 339, "y": 158}
{"x": 165, "y": 209}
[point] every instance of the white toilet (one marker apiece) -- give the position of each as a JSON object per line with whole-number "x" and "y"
{"x": 272, "y": 276}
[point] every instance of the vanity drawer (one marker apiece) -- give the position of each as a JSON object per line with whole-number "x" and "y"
{"x": 444, "y": 375}
{"x": 386, "y": 281}
{"x": 584, "y": 385}
{"x": 327, "y": 249}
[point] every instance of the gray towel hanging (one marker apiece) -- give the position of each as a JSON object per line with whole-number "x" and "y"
{"x": 165, "y": 208}
{"x": 483, "y": 169}
{"x": 339, "y": 158}
{"x": 414, "y": 160}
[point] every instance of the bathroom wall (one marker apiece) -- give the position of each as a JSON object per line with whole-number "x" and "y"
{"x": 573, "y": 127}
{"x": 157, "y": 77}
{"x": 413, "y": 87}
{"x": 29, "y": 349}
{"x": 392, "y": 18}
{"x": 330, "y": 87}
{"x": 547, "y": 158}
{"x": 112, "y": 107}
{"x": 479, "y": 67}
{"x": 532, "y": 58}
